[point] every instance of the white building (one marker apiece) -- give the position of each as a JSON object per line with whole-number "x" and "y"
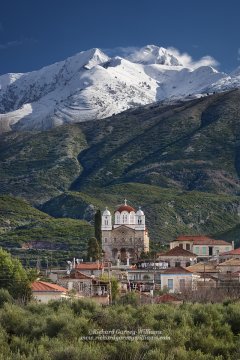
{"x": 125, "y": 236}
{"x": 178, "y": 279}
{"x": 201, "y": 245}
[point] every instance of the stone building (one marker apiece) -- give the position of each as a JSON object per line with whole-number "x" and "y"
{"x": 125, "y": 238}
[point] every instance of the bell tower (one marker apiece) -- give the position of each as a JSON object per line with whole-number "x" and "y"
{"x": 106, "y": 220}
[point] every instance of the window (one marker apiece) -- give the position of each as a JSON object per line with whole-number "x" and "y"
{"x": 170, "y": 284}
{"x": 177, "y": 263}
{"x": 81, "y": 286}
{"x": 226, "y": 248}
{"x": 182, "y": 284}
{"x": 187, "y": 246}
{"x": 181, "y": 246}
{"x": 204, "y": 250}
{"x": 105, "y": 240}
{"x": 196, "y": 250}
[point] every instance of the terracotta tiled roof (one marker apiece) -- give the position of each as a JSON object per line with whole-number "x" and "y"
{"x": 232, "y": 252}
{"x": 201, "y": 240}
{"x": 78, "y": 275}
{"x": 127, "y": 208}
{"x": 231, "y": 262}
{"x": 89, "y": 266}
{"x": 201, "y": 268}
{"x": 178, "y": 251}
{"x": 165, "y": 298}
{"x": 177, "y": 270}
{"x": 46, "y": 286}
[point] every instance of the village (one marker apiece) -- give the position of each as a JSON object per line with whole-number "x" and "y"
{"x": 195, "y": 268}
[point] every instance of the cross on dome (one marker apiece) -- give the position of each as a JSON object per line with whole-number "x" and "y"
{"x": 125, "y": 201}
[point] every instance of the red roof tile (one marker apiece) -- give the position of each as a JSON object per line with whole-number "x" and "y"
{"x": 78, "y": 275}
{"x": 201, "y": 240}
{"x": 46, "y": 286}
{"x": 178, "y": 251}
{"x": 125, "y": 208}
{"x": 165, "y": 298}
{"x": 89, "y": 266}
{"x": 232, "y": 252}
{"x": 177, "y": 270}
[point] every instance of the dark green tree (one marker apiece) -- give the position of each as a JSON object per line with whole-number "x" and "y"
{"x": 93, "y": 249}
{"x": 97, "y": 226}
{"x": 14, "y": 278}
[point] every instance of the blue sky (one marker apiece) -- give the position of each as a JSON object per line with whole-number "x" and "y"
{"x": 37, "y": 33}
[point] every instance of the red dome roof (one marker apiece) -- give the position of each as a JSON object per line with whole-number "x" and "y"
{"x": 125, "y": 208}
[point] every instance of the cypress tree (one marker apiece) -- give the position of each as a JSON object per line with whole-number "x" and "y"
{"x": 97, "y": 226}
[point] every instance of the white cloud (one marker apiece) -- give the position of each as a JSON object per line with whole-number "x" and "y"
{"x": 188, "y": 61}
{"x": 185, "y": 59}
{"x": 15, "y": 43}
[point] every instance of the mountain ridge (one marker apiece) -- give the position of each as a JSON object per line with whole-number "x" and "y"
{"x": 180, "y": 162}
{"x": 91, "y": 85}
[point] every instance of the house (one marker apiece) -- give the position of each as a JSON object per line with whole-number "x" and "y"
{"x": 207, "y": 268}
{"x": 147, "y": 278}
{"x": 90, "y": 268}
{"x": 86, "y": 286}
{"x": 229, "y": 266}
{"x": 178, "y": 279}
{"x": 44, "y": 291}
{"x": 232, "y": 254}
{"x": 177, "y": 256}
{"x": 125, "y": 235}
{"x": 201, "y": 245}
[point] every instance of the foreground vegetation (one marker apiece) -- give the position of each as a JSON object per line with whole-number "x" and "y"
{"x": 54, "y": 331}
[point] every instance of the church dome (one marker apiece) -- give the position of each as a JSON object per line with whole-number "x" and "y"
{"x": 125, "y": 207}
{"x": 139, "y": 212}
{"x": 106, "y": 212}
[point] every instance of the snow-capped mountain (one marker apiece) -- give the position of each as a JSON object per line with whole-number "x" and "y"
{"x": 91, "y": 85}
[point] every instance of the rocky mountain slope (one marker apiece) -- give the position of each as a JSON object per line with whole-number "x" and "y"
{"x": 180, "y": 162}
{"x": 91, "y": 85}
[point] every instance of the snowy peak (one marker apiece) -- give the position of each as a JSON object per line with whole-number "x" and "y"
{"x": 92, "y": 57}
{"x": 91, "y": 85}
{"x": 152, "y": 54}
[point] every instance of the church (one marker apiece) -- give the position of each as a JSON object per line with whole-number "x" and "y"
{"x": 126, "y": 238}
